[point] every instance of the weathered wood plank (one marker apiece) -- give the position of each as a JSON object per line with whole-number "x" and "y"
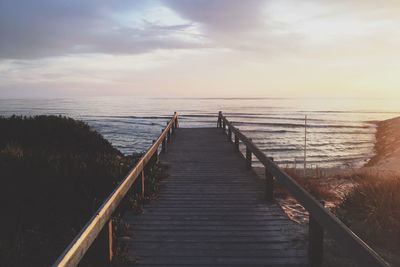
{"x": 355, "y": 247}
{"x": 231, "y": 261}
{"x": 212, "y": 211}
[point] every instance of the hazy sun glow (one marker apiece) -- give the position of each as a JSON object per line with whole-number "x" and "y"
{"x": 200, "y": 48}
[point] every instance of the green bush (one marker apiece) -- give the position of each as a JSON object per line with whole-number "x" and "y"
{"x": 55, "y": 172}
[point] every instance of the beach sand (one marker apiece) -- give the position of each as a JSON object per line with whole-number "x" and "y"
{"x": 387, "y": 147}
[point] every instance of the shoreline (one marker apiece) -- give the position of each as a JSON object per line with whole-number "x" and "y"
{"x": 338, "y": 182}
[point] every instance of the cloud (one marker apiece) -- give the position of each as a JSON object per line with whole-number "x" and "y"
{"x": 243, "y": 26}
{"x": 221, "y": 15}
{"x": 46, "y": 28}
{"x": 148, "y": 45}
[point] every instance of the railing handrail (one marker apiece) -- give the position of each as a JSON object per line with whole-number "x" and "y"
{"x": 360, "y": 251}
{"x": 72, "y": 255}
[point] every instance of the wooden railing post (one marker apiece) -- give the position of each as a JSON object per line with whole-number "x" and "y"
{"x": 229, "y": 134}
{"x": 219, "y": 122}
{"x": 154, "y": 158}
{"x": 110, "y": 240}
{"x": 236, "y": 142}
{"x": 176, "y": 122}
{"x": 248, "y": 157}
{"x": 168, "y": 134}
{"x": 163, "y": 144}
{"x": 315, "y": 242}
{"x": 103, "y": 247}
{"x": 142, "y": 184}
{"x": 269, "y": 184}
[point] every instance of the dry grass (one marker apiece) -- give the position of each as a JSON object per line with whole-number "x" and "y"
{"x": 55, "y": 173}
{"x": 372, "y": 211}
{"x": 313, "y": 185}
{"x": 371, "y": 208}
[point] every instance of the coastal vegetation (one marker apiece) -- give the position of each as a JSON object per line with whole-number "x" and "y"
{"x": 372, "y": 211}
{"x": 370, "y": 208}
{"x": 55, "y": 173}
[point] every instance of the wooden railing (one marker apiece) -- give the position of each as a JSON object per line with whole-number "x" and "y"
{"x": 102, "y": 219}
{"x": 320, "y": 218}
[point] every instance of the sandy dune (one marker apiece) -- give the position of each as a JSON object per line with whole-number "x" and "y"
{"x": 387, "y": 158}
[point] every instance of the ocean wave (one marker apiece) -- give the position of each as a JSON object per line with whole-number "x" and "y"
{"x": 351, "y": 112}
{"x": 161, "y": 117}
{"x": 268, "y": 131}
{"x": 342, "y": 132}
{"x": 254, "y": 116}
{"x": 345, "y": 143}
{"x": 296, "y": 125}
{"x": 113, "y": 123}
{"x": 199, "y": 116}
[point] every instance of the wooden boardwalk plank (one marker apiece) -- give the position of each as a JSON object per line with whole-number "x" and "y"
{"x": 211, "y": 211}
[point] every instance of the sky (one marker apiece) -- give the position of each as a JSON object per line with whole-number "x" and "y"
{"x": 200, "y": 48}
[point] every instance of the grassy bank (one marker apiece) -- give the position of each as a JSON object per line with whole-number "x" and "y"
{"x": 370, "y": 207}
{"x": 372, "y": 211}
{"x": 55, "y": 172}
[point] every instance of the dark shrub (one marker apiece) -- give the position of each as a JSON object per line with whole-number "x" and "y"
{"x": 372, "y": 211}
{"x": 55, "y": 172}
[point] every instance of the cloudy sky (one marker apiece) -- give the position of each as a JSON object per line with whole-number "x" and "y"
{"x": 200, "y": 48}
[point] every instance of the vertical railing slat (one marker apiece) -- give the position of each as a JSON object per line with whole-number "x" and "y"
{"x": 163, "y": 144}
{"x": 110, "y": 240}
{"x": 236, "y": 142}
{"x": 168, "y": 134}
{"x": 315, "y": 242}
{"x": 142, "y": 184}
{"x": 248, "y": 157}
{"x": 269, "y": 185}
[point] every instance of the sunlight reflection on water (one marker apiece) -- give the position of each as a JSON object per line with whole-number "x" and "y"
{"x": 340, "y": 130}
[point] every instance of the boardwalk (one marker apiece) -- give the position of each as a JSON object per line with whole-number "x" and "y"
{"x": 212, "y": 211}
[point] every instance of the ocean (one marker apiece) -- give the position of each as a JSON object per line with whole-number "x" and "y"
{"x": 340, "y": 132}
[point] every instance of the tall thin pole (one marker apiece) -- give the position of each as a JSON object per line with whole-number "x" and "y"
{"x": 305, "y": 145}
